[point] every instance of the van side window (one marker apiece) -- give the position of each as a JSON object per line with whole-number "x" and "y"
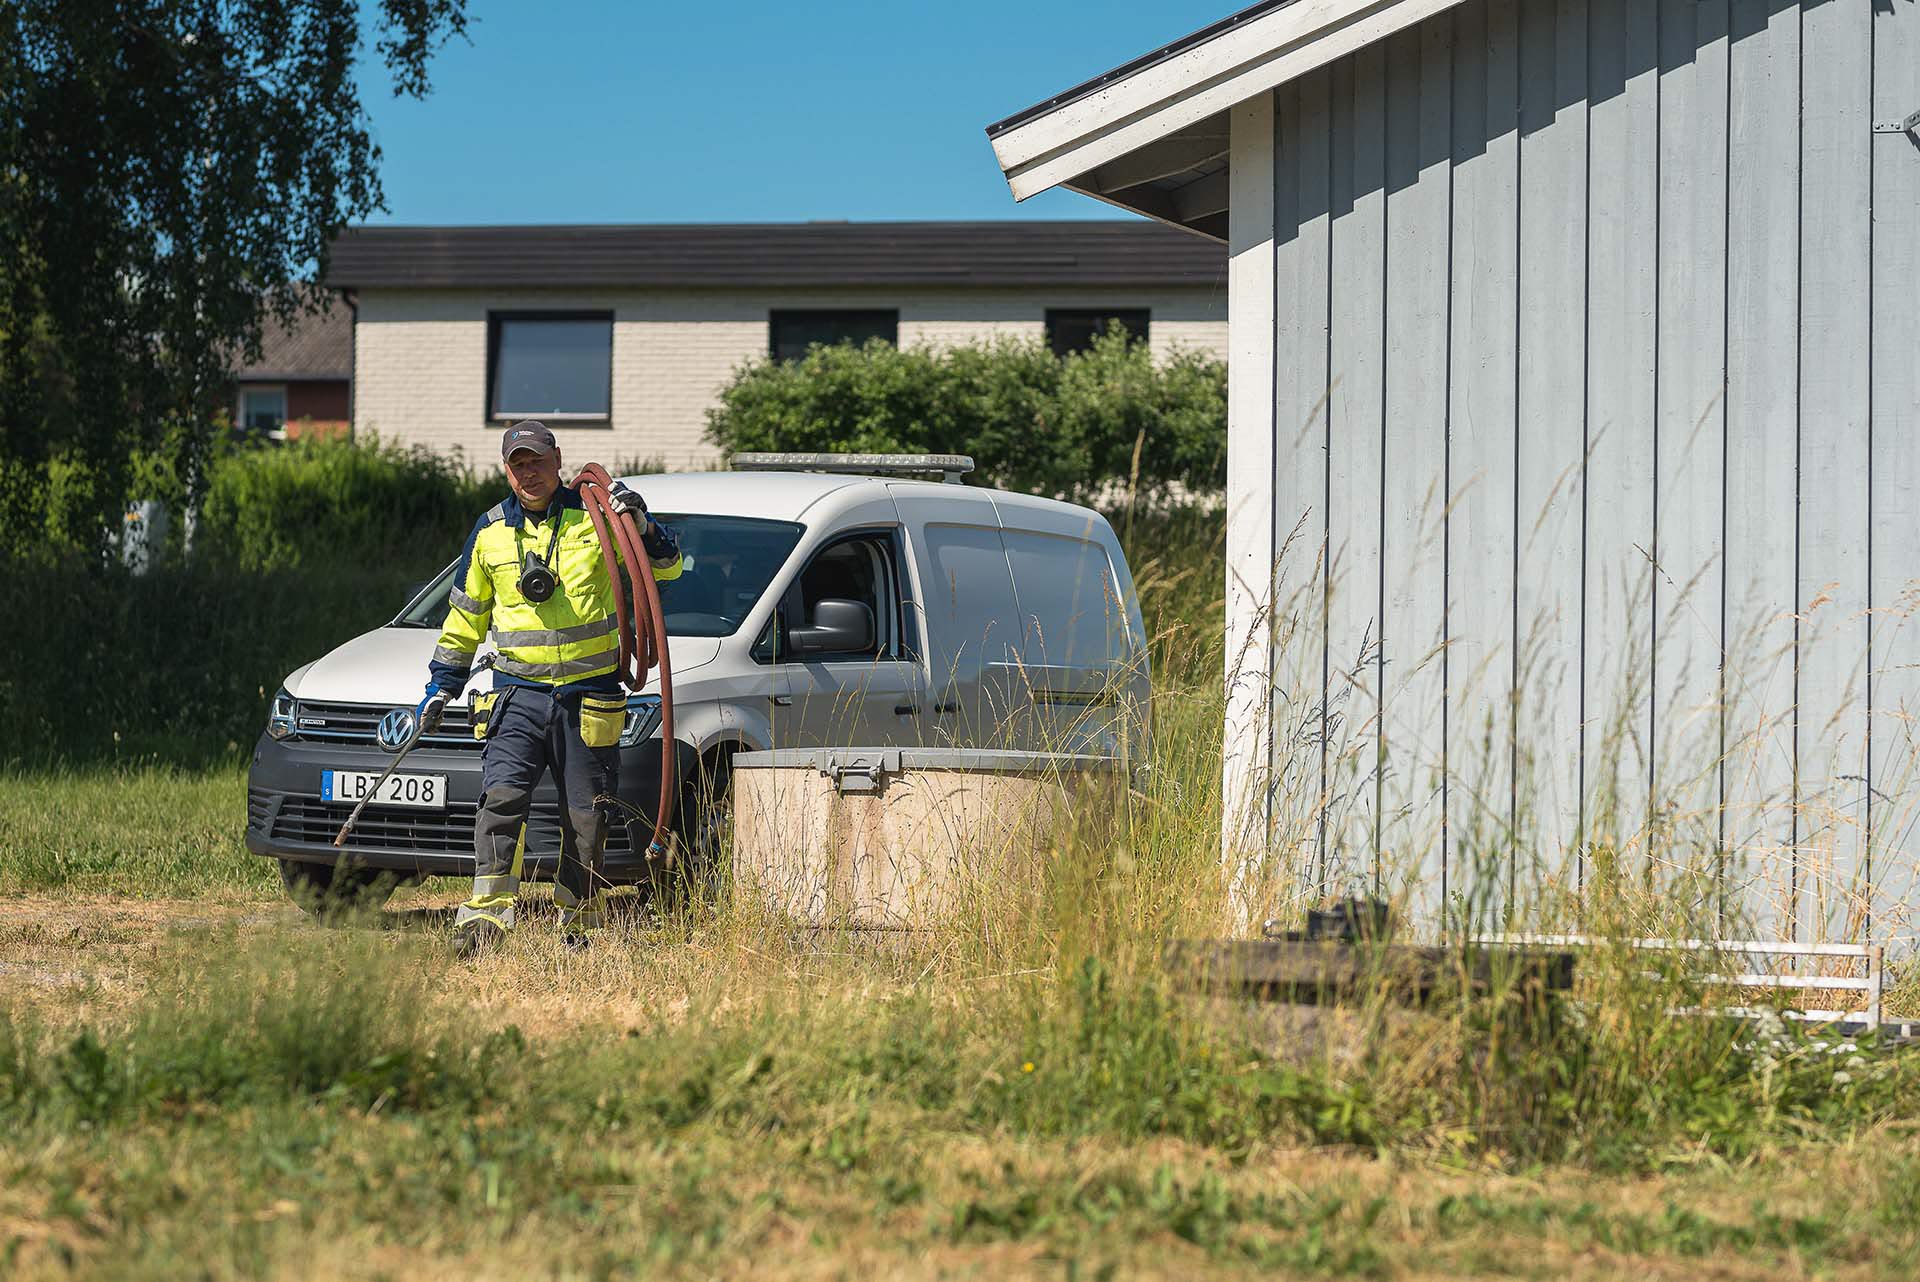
{"x": 1071, "y": 613}
{"x": 862, "y": 569}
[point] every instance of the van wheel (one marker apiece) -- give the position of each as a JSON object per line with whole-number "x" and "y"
{"x": 329, "y": 890}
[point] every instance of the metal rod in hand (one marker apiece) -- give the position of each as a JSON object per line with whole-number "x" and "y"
{"x": 400, "y": 755}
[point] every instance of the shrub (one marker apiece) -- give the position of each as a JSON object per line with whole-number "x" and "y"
{"x": 322, "y": 499}
{"x": 1053, "y": 425}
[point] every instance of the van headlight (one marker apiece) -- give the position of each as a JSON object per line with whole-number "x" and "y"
{"x": 643, "y": 714}
{"x": 281, "y": 714}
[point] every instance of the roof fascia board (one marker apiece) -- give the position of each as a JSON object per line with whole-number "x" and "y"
{"x": 1169, "y": 96}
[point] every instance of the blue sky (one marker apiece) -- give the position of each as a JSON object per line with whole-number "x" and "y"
{"x": 570, "y": 111}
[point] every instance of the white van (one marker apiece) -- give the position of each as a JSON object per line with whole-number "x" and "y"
{"x": 836, "y": 603}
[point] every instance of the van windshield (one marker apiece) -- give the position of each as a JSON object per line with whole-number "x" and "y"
{"x": 729, "y": 560}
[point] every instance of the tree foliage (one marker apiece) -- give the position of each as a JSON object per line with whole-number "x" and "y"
{"x": 170, "y": 171}
{"x": 1032, "y": 421}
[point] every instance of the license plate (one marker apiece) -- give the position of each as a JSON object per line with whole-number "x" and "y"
{"x": 422, "y": 792}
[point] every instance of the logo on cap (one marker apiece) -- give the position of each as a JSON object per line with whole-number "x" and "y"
{"x": 529, "y": 435}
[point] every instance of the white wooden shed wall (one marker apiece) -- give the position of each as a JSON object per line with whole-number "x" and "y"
{"x": 1576, "y": 411}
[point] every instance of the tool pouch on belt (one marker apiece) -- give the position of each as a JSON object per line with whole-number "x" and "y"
{"x": 601, "y": 719}
{"x": 486, "y": 712}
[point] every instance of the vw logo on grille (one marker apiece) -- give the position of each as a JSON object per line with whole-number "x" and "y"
{"x": 395, "y": 729}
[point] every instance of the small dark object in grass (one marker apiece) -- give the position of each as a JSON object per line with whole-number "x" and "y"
{"x": 1349, "y": 921}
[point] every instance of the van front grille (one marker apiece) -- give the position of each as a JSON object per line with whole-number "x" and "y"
{"x": 357, "y": 723}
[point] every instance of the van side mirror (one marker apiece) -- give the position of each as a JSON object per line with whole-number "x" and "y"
{"x": 839, "y": 627}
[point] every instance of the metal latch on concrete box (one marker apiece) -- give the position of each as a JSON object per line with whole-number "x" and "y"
{"x": 859, "y": 771}
{"x": 1906, "y": 125}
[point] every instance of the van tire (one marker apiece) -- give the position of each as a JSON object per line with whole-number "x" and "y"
{"x": 329, "y": 891}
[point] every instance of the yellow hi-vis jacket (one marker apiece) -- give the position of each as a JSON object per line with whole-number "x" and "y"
{"x": 572, "y": 636}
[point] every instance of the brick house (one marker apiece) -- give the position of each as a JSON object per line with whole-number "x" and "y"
{"x": 303, "y": 381}
{"x": 620, "y": 337}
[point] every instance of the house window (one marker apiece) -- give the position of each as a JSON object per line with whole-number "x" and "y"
{"x": 555, "y": 365}
{"x": 792, "y": 333}
{"x": 1072, "y": 329}
{"x": 263, "y": 409}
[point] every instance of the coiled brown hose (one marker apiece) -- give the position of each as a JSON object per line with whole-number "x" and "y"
{"x": 643, "y": 626}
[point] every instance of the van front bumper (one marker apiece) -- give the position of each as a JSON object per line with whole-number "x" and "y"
{"x": 288, "y": 819}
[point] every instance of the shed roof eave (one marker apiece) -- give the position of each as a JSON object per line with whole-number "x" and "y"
{"x": 1047, "y": 147}
{"x": 1207, "y": 229}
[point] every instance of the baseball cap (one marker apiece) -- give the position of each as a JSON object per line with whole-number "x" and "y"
{"x": 528, "y": 435}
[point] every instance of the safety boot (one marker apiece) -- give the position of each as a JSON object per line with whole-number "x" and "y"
{"x": 476, "y": 937}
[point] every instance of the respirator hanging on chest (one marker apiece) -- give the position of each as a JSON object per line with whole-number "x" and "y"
{"x": 537, "y": 579}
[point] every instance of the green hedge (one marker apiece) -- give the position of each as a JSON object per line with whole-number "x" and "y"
{"x": 311, "y": 501}
{"x": 1032, "y": 421}
{"x": 299, "y": 547}
{"x": 271, "y": 506}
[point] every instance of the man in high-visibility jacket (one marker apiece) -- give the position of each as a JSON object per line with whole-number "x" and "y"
{"x": 557, "y": 702}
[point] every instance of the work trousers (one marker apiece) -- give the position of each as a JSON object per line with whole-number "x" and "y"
{"x": 532, "y": 731}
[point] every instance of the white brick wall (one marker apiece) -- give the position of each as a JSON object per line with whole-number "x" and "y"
{"x": 420, "y": 356}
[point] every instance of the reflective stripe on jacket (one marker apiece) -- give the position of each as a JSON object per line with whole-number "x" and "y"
{"x": 570, "y": 637}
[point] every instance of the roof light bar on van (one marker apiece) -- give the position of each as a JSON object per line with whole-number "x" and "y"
{"x": 950, "y": 466}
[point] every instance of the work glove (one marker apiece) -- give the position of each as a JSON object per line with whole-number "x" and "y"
{"x": 426, "y": 714}
{"x": 627, "y": 499}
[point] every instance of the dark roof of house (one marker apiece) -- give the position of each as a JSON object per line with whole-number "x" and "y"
{"x": 1145, "y": 60}
{"x": 316, "y": 346}
{"x": 744, "y": 255}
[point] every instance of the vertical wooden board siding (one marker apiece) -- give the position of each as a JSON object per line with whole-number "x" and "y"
{"x": 1621, "y": 248}
{"x": 1413, "y": 551}
{"x": 1552, "y": 410}
{"x": 1895, "y": 667}
{"x": 1763, "y": 308}
{"x": 1301, "y": 219}
{"x": 1836, "y": 141}
{"x": 1689, "y": 435}
{"x": 1480, "y": 539}
{"x": 1354, "y": 469}
{"x": 1250, "y": 549}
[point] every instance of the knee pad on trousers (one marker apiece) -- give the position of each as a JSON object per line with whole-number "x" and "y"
{"x": 502, "y": 800}
{"x": 589, "y": 827}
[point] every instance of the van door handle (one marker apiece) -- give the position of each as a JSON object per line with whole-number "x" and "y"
{"x": 945, "y": 709}
{"x": 906, "y": 709}
{"x": 780, "y": 700}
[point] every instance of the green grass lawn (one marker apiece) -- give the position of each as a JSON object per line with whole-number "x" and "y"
{"x": 274, "y": 1100}
{"x": 196, "y": 1080}
{"x": 145, "y": 831}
